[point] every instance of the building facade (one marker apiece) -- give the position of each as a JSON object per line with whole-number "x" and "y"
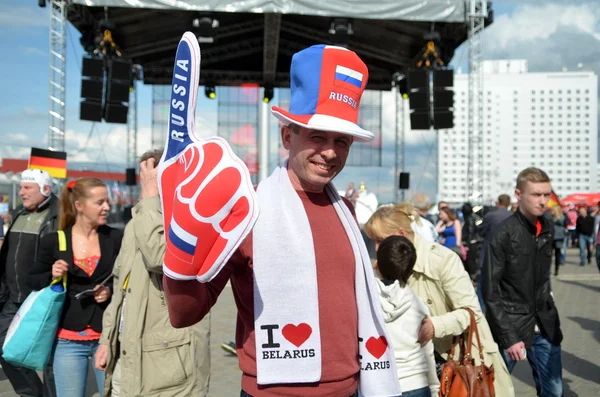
{"x": 546, "y": 120}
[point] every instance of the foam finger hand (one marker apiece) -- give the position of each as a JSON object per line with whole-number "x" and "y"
{"x": 205, "y": 189}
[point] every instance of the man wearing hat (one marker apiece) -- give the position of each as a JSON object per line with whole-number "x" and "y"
{"x": 36, "y": 217}
{"x": 309, "y": 322}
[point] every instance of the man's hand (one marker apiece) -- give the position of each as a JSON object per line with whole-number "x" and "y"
{"x": 516, "y": 351}
{"x": 148, "y": 179}
{"x": 101, "y": 357}
{"x": 426, "y": 331}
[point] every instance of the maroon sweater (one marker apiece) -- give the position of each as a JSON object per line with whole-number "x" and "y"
{"x": 190, "y": 301}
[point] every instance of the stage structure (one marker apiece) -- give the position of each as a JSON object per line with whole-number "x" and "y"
{"x": 478, "y": 13}
{"x": 57, "y": 75}
{"x": 252, "y": 42}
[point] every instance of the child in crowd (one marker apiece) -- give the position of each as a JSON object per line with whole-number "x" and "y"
{"x": 403, "y": 313}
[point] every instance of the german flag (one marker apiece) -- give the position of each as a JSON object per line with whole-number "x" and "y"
{"x": 54, "y": 163}
{"x": 554, "y": 200}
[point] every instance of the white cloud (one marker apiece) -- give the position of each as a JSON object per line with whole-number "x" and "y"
{"x": 532, "y": 22}
{"x": 104, "y": 146}
{"x": 14, "y": 151}
{"x": 33, "y": 51}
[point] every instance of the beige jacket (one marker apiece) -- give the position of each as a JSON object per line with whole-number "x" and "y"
{"x": 440, "y": 279}
{"x": 156, "y": 359}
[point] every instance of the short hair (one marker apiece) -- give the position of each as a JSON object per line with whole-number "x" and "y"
{"x": 442, "y": 202}
{"x": 533, "y": 175}
{"x": 421, "y": 202}
{"x": 295, "y": 128}
{"x": 155, "y": 154}
{"x": 396, "y": 258}
{"x": 450, "y": 212}
{"x": 504, "y": 200}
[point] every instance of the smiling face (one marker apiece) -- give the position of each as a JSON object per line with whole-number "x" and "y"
{"x": 94, "y": 208}
{"x": 315, "y": 158}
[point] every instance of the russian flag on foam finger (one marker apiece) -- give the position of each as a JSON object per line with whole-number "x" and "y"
{"x": 349, "y": 76}
{"x": 182, "y": 242}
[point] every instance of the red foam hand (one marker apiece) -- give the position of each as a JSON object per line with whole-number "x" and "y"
{"x": 209, "y": 204}
{"x": 209, "y": 207}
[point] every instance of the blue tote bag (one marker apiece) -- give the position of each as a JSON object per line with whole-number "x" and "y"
{"x": 32, "y": 333}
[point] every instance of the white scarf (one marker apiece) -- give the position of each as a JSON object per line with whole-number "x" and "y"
{"x": 286, "y": 305}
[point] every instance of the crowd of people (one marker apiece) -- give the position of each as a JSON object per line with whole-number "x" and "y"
{"x": 316, "y": 316}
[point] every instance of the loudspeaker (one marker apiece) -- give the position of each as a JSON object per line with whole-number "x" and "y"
{"x": 443, "y": 78}
{"x": 92, "y": 89}
{"x": 404, "y": 180}
{"x": 418, "y": 80}
{"x": 443, "y": 99}
{"x": 419, "y": 100}
{"x": 130, "y": 177}
{"x": 403, "y": 85}
{"x": 119, "y": 70}
{"x": 117, "y": 92}
{"x": 419, "y": 120}
{"x": 90, "y": 110}
{"x": 443, "y": 119}
{"x": 92, "y": 67}
{"x": 115, "y": 113}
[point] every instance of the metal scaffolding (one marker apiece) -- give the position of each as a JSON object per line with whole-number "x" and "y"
{"x": 57, "y": 75}
{"x": 132, "y": 127}
{"x": 476, "y": 16}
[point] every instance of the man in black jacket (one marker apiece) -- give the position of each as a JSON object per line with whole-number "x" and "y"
{"x": 516, "y": 286}
{"x": 36, "y": 217}
{"x": 585, "y": 234}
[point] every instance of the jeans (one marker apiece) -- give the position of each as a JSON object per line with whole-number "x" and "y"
{"x": 585, "y": 245}
{"x": 479, "y": 292}
{"x": 244, "y": 394}
{"x": 422, "y": 392}
{"x": 71, "y": 360}
{"x": 24, "y": 381}
{"x": 546, "y": 365}
{"x": 598, "y": 256}
{"x": 563, "y": 250}
{"x": 557, "y": 255}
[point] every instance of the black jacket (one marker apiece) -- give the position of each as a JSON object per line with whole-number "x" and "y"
{"x": 516, "y": 282}
{"x": 585, "y": 225}
{"x": 49, "y": 225}
{"x": 77, "y": 314}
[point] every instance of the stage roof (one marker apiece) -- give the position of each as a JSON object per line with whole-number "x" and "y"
{"x": 256, "y": 39}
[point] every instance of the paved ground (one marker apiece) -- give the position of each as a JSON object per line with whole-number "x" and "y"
{"x": 577, "y": 291}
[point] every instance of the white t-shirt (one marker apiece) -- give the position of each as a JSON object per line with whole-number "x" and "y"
{"x": 426, "y": 230}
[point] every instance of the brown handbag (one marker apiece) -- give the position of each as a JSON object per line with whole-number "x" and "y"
{"x": 462, "y": 378}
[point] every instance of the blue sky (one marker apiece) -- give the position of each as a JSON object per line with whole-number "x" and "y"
{"x": 540, "y": 31}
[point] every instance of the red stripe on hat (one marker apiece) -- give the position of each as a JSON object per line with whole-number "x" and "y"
{"x": 338, "y": 98}
{"x": 302, "y": 119}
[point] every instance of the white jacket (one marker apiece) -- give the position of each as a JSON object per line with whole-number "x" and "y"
{"x": 403, "y": 313}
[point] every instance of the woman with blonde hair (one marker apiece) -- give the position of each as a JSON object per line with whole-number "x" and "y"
{"x": 560, "y": 232}
{"x": 440, "y": 280}
{"x": 87, "y": 262}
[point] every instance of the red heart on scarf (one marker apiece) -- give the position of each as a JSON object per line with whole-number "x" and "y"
{"x": 297, "y": 334}
{"x": 377, "y": 346}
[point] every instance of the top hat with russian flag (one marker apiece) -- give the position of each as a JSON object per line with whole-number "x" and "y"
{"x": 327, "y": 83}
